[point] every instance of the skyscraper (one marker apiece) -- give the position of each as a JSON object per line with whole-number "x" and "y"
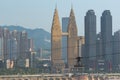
{"x": 1, "y": 49}
{"x": 30, "y": 45}
{"x": 12, "y": 48}
{"x": 81, "y": 43}
{"x": 6, "y": 36}
{"x": 1, "y": 45}
{"x": 116, "y": 50}
{"x": 56, "y": 45}
{"x": 90, "y": 39}
{"x": 65, "y": 21}
{"x": 106, "y": 36}
{"x": 15, "y": 36}
{"x": 100, "y": 65}
{"x": 24, "y": 45}
{"x": 72, "y": 38}
{"x": 99, "y": 46}
{"x": 68, "y": 35}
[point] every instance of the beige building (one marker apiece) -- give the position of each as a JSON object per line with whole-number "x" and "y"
{"x": 81, "y": 43}
{"x": 56, "y": 37}
{"x": 56, "y": 42}
{"x": 72, "y": 41}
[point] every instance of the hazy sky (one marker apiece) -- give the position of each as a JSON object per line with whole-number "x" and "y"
{"x": 39, "y": 13}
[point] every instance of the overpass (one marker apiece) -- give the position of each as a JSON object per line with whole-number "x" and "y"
{"x": 34, "y": 77}
{"x": 67, "y": 76}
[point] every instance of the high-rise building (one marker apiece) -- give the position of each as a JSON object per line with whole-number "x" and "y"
{"x": 12, "y": 51}
{"x": 16, "y": 35}
{"x": 25, "y": 48}
{"x": 81, "y": 44}
{"x": 65, "y": 40}
{"x": 24, "y": 45}
{"x": 6, "y": 36}
{"x": 106, "y": 36}
{"x": 116, "y": 50}
{"x": 30, "y": 45}
{"x": 65, "y": 21}
{"x": 99, "y": 47}
{"x": 31, "y": 54}
{"x": 12, "y": 48}
{"x": 56, "y": 43}
{"x": 72, "y": 41}
{"x": 81, "y": 49}
{"x": 1, "y": 49}
{"x": 90, "y": 40}
{"x": 1, "y": 45}
{"x": 100, "y": 64}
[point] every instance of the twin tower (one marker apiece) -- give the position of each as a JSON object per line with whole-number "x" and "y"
{"x": 56, "y": 42}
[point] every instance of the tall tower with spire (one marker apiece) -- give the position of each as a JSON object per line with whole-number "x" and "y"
{"x": 72, "y": 40}
{"x": 56, "y": 42}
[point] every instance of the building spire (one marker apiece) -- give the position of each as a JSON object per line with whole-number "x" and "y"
{"x": 56, "y": 37}
{"x": 56, "y": 22}
{"x": 56, "y": 17}
{"x": 72, "y": 21}
{"x": 72, "y": 12}
{"x": 72, "y": 36}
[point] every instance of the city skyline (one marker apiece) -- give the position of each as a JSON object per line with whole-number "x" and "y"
{"x": 37, "y": 14}
{"x": 92, "y": 52}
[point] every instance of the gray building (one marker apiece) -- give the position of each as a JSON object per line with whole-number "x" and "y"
{"x": 16, "y": 35}
{"x": 12, "y": 49}
{"x": 30, "y": 45}
{"x": 116, "y": 50}
{"x": 100, "y": 64}
{"x": 99, "y": 47}
{"x": 65, "y": 21}
{"x": 106, "y": 35}
{"x": 6, "y": 36}
{"x": 24, "y": 45}
{"x": 90, "y": 40}
{"x": 1, "y": 45}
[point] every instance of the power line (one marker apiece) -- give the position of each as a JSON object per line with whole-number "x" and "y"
{"x": 102, "y": 55}
{"x": 84, "y": 45}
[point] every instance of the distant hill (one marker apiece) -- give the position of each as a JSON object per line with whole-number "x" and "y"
{"x": 40, "y": 36}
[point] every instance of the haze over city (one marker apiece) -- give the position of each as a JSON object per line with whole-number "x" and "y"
{"x": 59, "y": 40}
{"x": 39, "y": 13}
